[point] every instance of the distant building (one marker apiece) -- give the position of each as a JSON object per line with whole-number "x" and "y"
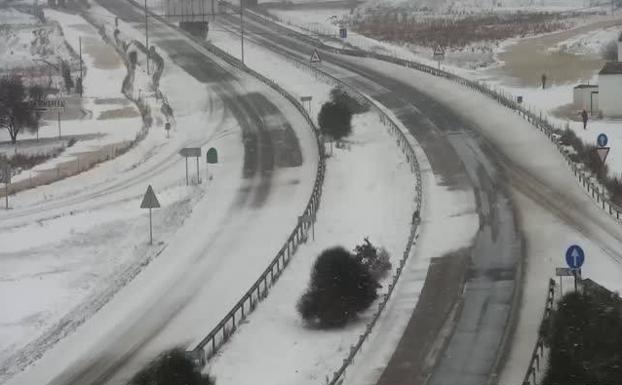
{"x": 610, "y": 79}
{"x": 585, "y": 97}
{"x": 610, "y": 89}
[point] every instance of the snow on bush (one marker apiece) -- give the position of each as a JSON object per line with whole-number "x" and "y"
{"x": 341, "y": 287}
{"x": 171, "y": 368}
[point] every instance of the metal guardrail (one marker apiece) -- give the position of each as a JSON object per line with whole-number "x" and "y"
{"x": 597, "y": 191}
{"x": 407, "y": 149}
{"x": 536, "y": 369}
{"x": 221, "y": 333}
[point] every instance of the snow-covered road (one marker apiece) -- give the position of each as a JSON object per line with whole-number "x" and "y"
{"x": 198, "y": 266}
{"x": 473, "y": 143}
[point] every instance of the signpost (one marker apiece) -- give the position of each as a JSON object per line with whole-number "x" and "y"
{"x": 602, "y": 150}
{"x": 150, "y": 201}
{"x": 315, "y": 57}
{"x": 575, "y": 257}
{"x": 439, "y": 55}
{"x": 309, "y": 219}
{"x": 191, "y": 152}
{"x": 212, "y": 156}
{"x": 5, "y": 174}
{"x": 343, "y": 33}
{"x": 167, "y": 127}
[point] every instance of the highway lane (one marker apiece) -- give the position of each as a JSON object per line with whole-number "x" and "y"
{"x": 475, "y": 350}
{"x": 462, "y": 160}
{"x": 277, "y": 179}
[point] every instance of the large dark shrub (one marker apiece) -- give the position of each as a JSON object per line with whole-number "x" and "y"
{"x": 586, "y": 341}
{"x": 376, "y": 260}
{"x": 335, "y": 120}
{"x": 171, "y": 368}
{"x": 609, "y": 51}
{"x": 340, "y": 288}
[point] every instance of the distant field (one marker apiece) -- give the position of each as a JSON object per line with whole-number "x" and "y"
{"x": 457, "y": 32}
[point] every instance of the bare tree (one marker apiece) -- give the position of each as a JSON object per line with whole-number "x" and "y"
{"x": 16, "y": 113}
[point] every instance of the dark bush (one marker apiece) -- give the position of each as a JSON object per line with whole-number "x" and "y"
{"x": 586, "y": 341}
{"x": 375, "y": 260}
{"x": 171, "y": 368}
{"x": 339, "y": 96}
{"x": 609, "y": 51}
{"x": 335, "y": 120}
{"x": 340, "y": 288}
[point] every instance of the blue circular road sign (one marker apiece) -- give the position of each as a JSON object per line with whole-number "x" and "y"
{"x": 602, "y": 140}
{"x": 575, "y": 257}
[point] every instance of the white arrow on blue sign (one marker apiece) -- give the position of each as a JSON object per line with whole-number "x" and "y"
{"x": 575, "y": 257}
{"x": 602, "y": 140}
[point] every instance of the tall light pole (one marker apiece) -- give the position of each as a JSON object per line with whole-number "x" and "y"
{"x": 242, "y": 27}
{"x": 147, "y": 35}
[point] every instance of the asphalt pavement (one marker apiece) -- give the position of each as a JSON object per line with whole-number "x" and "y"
{"x": 462, "y": 160}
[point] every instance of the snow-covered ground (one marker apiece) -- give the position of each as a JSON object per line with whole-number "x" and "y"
{"x": 275, "y": 337}
{"x": 92, "y": 238}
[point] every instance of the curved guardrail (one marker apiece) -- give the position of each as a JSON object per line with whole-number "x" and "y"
{"x": 220, "y": 334}
{"x": 597, "y": 191}
{"x": 535, "y": 372}
{"x": 406, "y": 145}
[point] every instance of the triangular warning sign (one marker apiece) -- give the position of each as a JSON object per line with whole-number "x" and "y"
{"x": 149, "y": 200}
{"x": 439, "y": 51}
{"x": 603, "y": 152}
{"x": 315, "y": 57}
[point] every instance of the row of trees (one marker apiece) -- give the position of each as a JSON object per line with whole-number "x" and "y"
{"x": 17, "y": 112}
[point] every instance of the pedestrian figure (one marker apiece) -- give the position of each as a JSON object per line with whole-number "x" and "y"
{"x": 584, "y": 117}
{"x": 543, "y": 81}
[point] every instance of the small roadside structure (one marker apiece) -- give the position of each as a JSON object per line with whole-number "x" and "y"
{"x": 586, "y": 97}
{"x": 610, "y": 79}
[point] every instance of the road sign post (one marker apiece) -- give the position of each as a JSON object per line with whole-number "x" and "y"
{"x": 191, "y": 152}
{"x": 602, "y": 150}
{"x": 315, "y": 57}
{"x": 575, "y": 257}
{"x": 439, "y": 55}
{"x": 5, "y": 177}
{"x": 150, "y": 201}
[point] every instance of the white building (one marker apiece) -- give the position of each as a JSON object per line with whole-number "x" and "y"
{"x": 610, "y": 86}
{"x": 585, "y": 97}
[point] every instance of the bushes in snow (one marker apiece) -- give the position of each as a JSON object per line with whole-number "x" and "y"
{"x": 376, "y": 260}
{"x": 335, "y": 120}
{"x": 335, "y": 117}
{"x": 609, "y": 51}
{"x": 171, "y": 368}
{"x": 587, "y": 155}
{"x": 585, "y": 336}
{"x": 343, "y": 285}
{"x": 340, "y": 288}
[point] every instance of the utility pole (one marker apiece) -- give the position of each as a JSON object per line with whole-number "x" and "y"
{"x": 242, "y": 27}
{"x": 81, "y": 71}
{"x": 147, "y": 35}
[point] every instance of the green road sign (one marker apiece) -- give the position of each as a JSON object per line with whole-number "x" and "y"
{"x": 212, "y": 156}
